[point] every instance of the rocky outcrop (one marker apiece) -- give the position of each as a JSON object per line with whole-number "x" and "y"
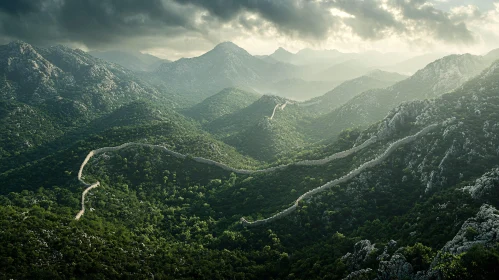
{"x": 400, "y": 117}
{"x": 484, "y": 185}
{"x": 395, "y": 268}
{"x": 361, "y": 252}
{"x": 481, "y": 229}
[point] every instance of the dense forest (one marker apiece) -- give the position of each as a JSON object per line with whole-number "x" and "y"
{"x": 419, "y": 209}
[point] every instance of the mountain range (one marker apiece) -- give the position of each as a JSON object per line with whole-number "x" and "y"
{"x": 439, "y": 77}
{"x": 135, "y": 61}
{"x": 227, "y": 65}
{"x": 188, "y": 171}
{"x": 349, "y": 89}
{"x": 299, "y": 76}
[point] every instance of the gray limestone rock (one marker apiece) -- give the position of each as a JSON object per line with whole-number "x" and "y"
{"x": 481, "y": 229}
{"x": 484, "y": 185}
{"x": 362, "y": 251}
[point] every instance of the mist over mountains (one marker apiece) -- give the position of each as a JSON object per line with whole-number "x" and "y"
{"x": 135, "y": 61}
{"x": 304, "y": 75}
{"x": 317, "y": 164}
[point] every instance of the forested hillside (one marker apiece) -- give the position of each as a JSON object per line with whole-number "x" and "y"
{"x": 418, "y": 210}
{"x": 225, "y": 102}
{"x": 349, "y": 89}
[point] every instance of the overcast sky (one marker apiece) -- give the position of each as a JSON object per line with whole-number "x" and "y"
{"x": 186, "y": 28}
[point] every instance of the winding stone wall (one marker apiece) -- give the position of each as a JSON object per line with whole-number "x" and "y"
{"x": 343, "y": 179}
{"x": 281, "y": 214}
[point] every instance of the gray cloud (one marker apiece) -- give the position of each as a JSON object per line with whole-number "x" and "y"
{"x": 98, "y": 21}
{"x": 149, "y": 23}
{"x": 304, "y": 18}
{"x": 436, "y": 22}
{"x": 93, "y": 22}
{"x": 19, "y": 6}
{"x": 312, "y": 19}
{"x": 370, "y": 21}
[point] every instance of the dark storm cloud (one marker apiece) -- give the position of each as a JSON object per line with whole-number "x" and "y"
{"x": 370, "y": 21}
{"x": 92, "y": 22}
{"x": 112, "y": 23}
{"x": 98, "y": 20}
{"x": 35, "y": 21}
{"x": 302, "y": 17}
{"x": 19, "y": 6}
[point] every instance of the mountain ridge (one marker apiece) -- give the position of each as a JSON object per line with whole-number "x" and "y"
{"x": 437, "y": 78}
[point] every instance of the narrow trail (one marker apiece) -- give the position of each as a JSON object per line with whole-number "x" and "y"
{"x": 91, "y": 186}
{"x": 343, "y": 179}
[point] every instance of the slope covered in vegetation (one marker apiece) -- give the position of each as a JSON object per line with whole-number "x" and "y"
{"x": 223, "y": 103}
{"x": 412, "y": 215}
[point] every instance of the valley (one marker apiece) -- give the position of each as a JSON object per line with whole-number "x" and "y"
{"x": 193, "y": 169}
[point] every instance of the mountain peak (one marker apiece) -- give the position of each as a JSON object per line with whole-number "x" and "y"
{"x": 282, "y": 50}
{"x": 282, "y": 55}
{"x": 228, "y": 47}
{"x": 21, "y": 49}
{"x": 20, "y": 46}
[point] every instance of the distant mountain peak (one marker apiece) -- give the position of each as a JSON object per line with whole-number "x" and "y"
{"x": 228, "y": 47}
{"x": 444, "y": 62}
{"x": 282, "y": 50}
{"x": 65, "y": 49}
{"x": 282, "y": 55}
{"x": 376, "y": 72}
